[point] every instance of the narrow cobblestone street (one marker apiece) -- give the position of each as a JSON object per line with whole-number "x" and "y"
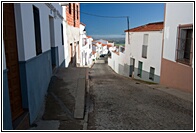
{"x": 120, "y": 103}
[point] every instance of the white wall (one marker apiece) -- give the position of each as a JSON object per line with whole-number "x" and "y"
{"x": 25, "y": 38}
{"x": 25, "y": 30}
{"x": 154, "y": 49}
{"x": 115, "y": 60}
{"x": 176, "y": 13}
{"x": 66, "y": 44}
{"x": 83, "y": 49}
{"x": 57, "y": 33}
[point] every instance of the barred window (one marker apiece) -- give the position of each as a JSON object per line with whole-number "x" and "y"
{"x": 184, "y": 44}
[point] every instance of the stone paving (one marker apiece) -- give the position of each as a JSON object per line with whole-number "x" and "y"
{"x": 120, "y": 103}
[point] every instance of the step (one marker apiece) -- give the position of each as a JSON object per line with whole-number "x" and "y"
{"x": 22, "y": 122}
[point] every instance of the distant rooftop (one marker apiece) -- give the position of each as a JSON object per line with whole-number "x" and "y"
{"x": 89, "y": 37}
{"x": 157, "y": 26}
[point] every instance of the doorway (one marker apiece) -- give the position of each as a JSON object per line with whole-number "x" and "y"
{"x": 11, "y": 54}
{"x": 132, "y": 65}
{"x": 52, "y": 42}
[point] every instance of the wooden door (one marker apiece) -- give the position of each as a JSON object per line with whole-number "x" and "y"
{"x": 11, "y": 53}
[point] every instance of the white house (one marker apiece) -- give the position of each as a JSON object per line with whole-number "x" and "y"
{"x": 85, "y": 47}
{"x": 141, "y": 57}
{"x": 143, "y": 51}
{"x": 33, "y": 47}
{"x": 101, "y": 47}
{"x": 72, "y": 32}
{"x": 177, "y": 57}
{"x": 90, "y": 47}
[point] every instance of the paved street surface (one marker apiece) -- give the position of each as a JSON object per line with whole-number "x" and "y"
{"x": 61, "y": 103}
{"x": 120, "y": 103}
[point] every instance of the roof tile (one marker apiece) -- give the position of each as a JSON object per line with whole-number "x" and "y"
{"x": 157, "y": 26}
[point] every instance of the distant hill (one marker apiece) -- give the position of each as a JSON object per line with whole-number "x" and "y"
{"x": 115, "y": 39}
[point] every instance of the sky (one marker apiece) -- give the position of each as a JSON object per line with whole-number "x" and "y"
{"x": 139, "y": 14}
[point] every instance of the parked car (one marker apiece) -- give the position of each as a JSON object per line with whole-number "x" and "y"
{"x": 102, "y": 55}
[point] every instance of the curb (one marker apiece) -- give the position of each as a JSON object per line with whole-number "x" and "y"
{"x": 175, "y": 92}
{"x": 85, "y": 124}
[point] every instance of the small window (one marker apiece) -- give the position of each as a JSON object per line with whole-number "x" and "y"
{"x": 139, "y": 73}
{"x": 145, "y": 39}
{"x": 69, "y": 8}
{"x": 144, "y": 46}
{"x": 184, "y": 47}
{"x": 144, "y": 51}
{"x": 151, "y": 74}
{"x": 62, "y": 34}
{"x": 37, "y": 30}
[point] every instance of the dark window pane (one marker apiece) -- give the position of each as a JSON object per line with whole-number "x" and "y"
{"x": 37, "y": 30}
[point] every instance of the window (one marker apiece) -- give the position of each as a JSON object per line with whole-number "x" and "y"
{"x": 184, "y": 44}
{"x": 145, "y": 39}
{"x": 84, "y": 41}
{"x": 62, "y": 34}
{"x": 69, "y": 8}
{"x": 151, "y": 74}
{"x": 144, "y": 46}
{"x": 139, "y": 73}
{"x": 74, "y": 14}
{"x": 37, "y": 30}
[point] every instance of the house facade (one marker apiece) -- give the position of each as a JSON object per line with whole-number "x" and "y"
{"x": 143, "y": 51}
{"x": 177, "y": 56}
{"x": 85, "y": 47}
{"x": 72, "y": 16}
{"x": 32, "y": 48}
{"x": 141, "y": 56}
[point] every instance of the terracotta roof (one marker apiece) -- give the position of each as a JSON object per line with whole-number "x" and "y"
{"x": 109, "y": 45}
{"x": 104, "y": 44}
{"x": 157, "y": 26}
{"x": 99, "y": 42}
{"x": 89, "y": 37}
{"x": 93, "y": 52}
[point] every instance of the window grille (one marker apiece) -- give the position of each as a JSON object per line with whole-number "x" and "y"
{"x": 184, "y": 45}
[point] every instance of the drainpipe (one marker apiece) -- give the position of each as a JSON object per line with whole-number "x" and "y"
{"x": 128, "y": 29}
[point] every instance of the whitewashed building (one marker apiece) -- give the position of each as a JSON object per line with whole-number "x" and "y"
{"x": 177, "y": 59}
{"x": 141, "y": 57}
{"x": 71, "y": 12}
{"x": 85, "y": 48}
{"x": 33, "y": 47}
